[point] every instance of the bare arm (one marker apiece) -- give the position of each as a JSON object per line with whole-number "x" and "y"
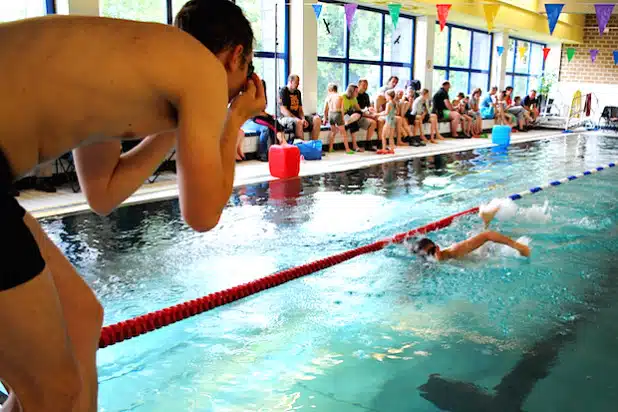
{"x": 467, "y": 246}
{"x": 326, "y": 108}
{"x": 207, "y": 145}
{"x": 108, "y": 177}
{"x": 448, "y": 104}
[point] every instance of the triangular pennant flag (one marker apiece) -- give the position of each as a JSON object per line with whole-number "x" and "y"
{"x": 521, "y": 50}
{"x": 593, "y": 54}
{"x": 317, "y": 9}
{"x": 553, "y": 12}
{"x": 545, "y": 52}
{"x": 604, "y": 12}
{"x": 570, "y": 53}
{"x": 491, "y": 10}
{"x": 500, "y": 50}
{"x": 615, "y": 56}
{"x": 350, "y": 9}
{"x": 394, "y": 9}
{"x": 443, "y": 10}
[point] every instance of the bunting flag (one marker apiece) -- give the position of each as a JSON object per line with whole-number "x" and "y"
{"x": 394, "y": 10}
{"x": 521, "y": 50}
{"x": 553, "y": 12}
{"x": 604, "y": 12}
{"x": 491, "y": 10}
{"x": 443, "y": 10}
{"x": 593, "y": 54}
{"x": 545, "y": 52}
{"x": 570, "y": 53}
{"x": 350, "y": 9}
{"x": 500, "y": 50}
{"x": 317, "y": 9}
{"x": 615, "y": 56}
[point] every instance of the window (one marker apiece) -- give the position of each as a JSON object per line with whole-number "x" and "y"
{"x": 261, "y": 15}
{"x": 143, "y": 10}
{"x": 524, "y": 65}
{"x": 11, "y": 10}
{"x": 268, "y": 47}
{"x": 329, "y": 72}
{"x": 373, "y": 49}
{"x": 463, "y": 57}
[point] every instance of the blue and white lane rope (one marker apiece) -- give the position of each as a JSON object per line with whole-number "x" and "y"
{"x": 537, "y": 189}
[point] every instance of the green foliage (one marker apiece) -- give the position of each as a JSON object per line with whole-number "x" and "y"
{"x": 331, "y": 45}
{"x": 366, "y": 36}
{"x": 142, "y": 10}
{"x": 546, "y": 82}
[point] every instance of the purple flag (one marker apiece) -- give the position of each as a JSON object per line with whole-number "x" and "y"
{"x": 604, "y": 12}
{"x": 350, "y": 9}
{"x": 553, "y": 12}
{"x": 593, "y": 54}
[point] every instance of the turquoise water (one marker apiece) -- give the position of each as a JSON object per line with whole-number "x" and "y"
{"x": 366, "y": 334}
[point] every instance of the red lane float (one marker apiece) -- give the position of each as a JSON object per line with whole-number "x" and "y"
{"x": 140, "y": 325}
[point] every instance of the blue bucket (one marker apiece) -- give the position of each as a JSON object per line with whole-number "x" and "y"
{"x": 501, "y": 135}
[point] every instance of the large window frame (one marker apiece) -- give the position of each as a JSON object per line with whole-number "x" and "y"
{"x": 264, "y": 54}
{"x": 347, "y": 60}
{"x": 514, "y": 73}
{"x": 469, "y": 70}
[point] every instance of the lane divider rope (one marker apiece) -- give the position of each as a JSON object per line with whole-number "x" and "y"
{"x": 140, "y": 325}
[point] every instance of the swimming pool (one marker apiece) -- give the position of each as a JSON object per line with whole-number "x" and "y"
{"x": 365, "y": 334}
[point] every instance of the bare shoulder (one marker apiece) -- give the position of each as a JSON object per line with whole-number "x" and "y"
{"x": 97, "y": 48}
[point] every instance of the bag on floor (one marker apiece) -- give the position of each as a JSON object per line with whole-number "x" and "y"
{"x": 311, "y": 150}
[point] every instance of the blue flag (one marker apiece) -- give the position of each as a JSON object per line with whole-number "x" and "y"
{"x": 317, "y": 9}
{"x": 553, "y": 12}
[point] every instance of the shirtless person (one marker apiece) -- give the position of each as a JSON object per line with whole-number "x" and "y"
{"x": 426, "y": 247}
{"x": 82, "y": 83}
{"x": 333, "y": 113}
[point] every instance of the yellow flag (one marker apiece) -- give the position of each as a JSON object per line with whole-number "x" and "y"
{"x": 521, "y": 50}
{"x": 491, "y": 10}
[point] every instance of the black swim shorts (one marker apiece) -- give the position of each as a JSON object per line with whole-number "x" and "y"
{"x": 20, "y": 257}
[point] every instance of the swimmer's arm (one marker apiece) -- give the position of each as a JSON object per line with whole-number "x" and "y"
{"x": 108, "y": 177}
{"x": 466, "y": 247}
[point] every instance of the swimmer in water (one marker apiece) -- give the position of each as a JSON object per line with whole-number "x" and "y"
{"x": 426, "y": 247}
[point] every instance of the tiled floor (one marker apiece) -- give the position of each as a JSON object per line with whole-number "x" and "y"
{"x": 64, "y": 201}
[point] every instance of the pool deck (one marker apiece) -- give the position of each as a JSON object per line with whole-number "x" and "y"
{"x": 65, "y": 202}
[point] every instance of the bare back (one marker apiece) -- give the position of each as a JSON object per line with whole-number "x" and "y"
{"x": 73, "y": 80}
{"x": 334, "y": 102}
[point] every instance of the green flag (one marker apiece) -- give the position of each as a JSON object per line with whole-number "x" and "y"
{"x": 394, "y": 9}
{"x": 570, "y": 53}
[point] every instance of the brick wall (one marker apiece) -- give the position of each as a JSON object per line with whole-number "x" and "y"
{"x": 581, "y": 68}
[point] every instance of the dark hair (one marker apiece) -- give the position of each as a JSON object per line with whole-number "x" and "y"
{"x": 445, "y": 83}
{"x": 509, "y": 88}
{"x": 217, "y": 24}
{"x": 422, "y": 244}
{"x": 265, "y": 94}
{"x": 393, "y": 77}
{"x": 461, "y": 95}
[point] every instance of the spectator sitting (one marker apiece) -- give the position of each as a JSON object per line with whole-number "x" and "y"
{"x": 475, "y": 112}
{"x": 422, "y": 114}
{"x": 488, "y": 104}
{"x": 381, "y": 95}
{"x": 502, "y": 115}
{"x": 291, "y": 106}
{"x": 518, "y": 103}
{"x": 461, "y": 106}
{"x": 369, "y": 112}
{"x": 353, "y": 116}
{"x": 333, "y": 113}
{"x": 517, "y": 111}
{"x": 444, "y": 109}
{"x": 403, "y": 128}
{"x": 268, "y": 128}
{"x": 531, "y": 105}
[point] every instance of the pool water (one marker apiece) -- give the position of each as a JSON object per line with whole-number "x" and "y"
{"x": 384, "y": 331}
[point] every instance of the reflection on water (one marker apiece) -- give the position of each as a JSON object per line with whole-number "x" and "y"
{"x": 365, "y": 334}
